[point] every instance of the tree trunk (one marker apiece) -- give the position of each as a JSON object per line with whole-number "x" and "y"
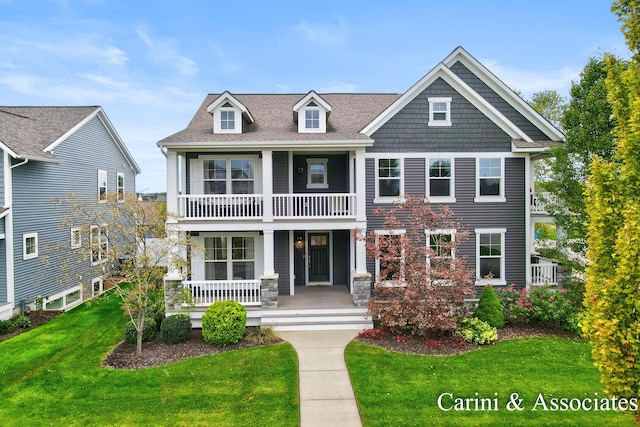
{"x": 140, "y": 330}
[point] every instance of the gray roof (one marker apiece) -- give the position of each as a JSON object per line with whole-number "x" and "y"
{"x": 273, "y": 114}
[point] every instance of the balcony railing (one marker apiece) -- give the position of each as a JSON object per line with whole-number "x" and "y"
{"x": 251, "y": 206}
{"x": 545, "y": 272}
{"x": 539, "y": 202}
{"x": 205, "y": 293}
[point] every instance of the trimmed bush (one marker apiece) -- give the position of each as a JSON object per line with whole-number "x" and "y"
{"x": 148, "y": 331}
{"x": 489, "y": 308}
{"x": 476, "y": 331}
{"x": 175, "y": 329}
{"x": 4, "y": 326}
{"x": 224, "y": 323}
{"x": 21, "y": 322}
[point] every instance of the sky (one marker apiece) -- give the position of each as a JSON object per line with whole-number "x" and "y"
{"x": 150, "y": 64}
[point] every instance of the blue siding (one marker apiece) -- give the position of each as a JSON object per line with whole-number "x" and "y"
{"x": 36, "y": 184}
{"x": 2, "y": 201}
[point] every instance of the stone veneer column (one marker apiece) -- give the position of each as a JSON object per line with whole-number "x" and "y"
{"x": 361, "y": 289}
{"x": 172, "y": 295}
{"x": 269, "y": 291}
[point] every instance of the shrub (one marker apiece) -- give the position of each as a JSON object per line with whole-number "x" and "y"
{"x": 489, "y": 308}
{"x": 262, "y": 335}
{"x": 148, "y": 331}
{"x": 21, "y": 322}
{"x": 175, "y": 329}
{"x": 513, "y": 304}
{"x": 224, "y": 323}
{"x": 4, "y": 326}
{"x": 476, "y": 331}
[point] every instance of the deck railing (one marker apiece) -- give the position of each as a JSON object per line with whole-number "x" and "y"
{"x": 539, "y": 202}
{"x": 206, "y": 292}
{"x": 544, "y": 273}
{"x": 251, "y": 206}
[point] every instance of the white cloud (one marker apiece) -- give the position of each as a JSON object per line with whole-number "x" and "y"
{"x": 323, "y": 33}
{"x": 162, "y": 49}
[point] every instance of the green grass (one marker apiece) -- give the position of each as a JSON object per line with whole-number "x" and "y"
{"x": 402, "y": 390}
{"x": 52, "y": 376}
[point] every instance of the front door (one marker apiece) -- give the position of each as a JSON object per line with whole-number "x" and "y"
{"x": 319, "y": 258}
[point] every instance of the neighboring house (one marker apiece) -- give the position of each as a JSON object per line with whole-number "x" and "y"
{"x": 49, "y": 152}
{"x": 274, "y": 186}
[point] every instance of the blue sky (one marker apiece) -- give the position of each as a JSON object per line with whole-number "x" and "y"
{"x": 149, "y": 64}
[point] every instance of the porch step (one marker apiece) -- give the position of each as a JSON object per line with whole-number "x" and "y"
{"x": 318, "y": 319}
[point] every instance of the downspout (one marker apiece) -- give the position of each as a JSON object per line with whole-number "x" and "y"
{"x": 20, "y": 164}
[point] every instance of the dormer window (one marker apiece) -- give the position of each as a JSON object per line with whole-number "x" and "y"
{"x": 229, "y": 114}
{"x": 439, "y": 111}
{"x": 311, "y": 113}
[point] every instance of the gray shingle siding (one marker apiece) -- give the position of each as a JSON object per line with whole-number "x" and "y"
{"x": 281, "y": 260}
{"x": 471, "y": 130}
{"x": 281, "y": 172}
{"x": 36, "y": 184}
{"x": 498, "y": 102}
{"x": 337, "y": 173}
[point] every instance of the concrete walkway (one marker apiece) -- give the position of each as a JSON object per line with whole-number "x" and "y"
{"x": 326, "y": 395}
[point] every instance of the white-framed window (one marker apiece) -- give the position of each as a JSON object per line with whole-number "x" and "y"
{"x": 440, "y": 242}
{"x": 440, "y": 180}
{"x": 29, "y": 245}
{"x": 389, "y": 265}
{"x": 229, "y": 258}
{"x": 229, "y": 176}
{"x": 227, "y": 119}
{"x": 102, "y": 184}
{"x": 312, "y": 118}
{"x": 439, "y": 111}
{"x": 317, "y": 173}
{"x": 389, "y": 183}
{"x": 120, "y": 186}
{"x": 490, "y": 256}
{"x": 99, "y": 242}
{"x": 63, "y": 300}
{"x": 97, "y": 286}
{"x": 490, "y": 179}
{"x": 76, "y": 237}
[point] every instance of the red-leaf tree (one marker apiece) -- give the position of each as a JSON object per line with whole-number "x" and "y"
{"x": 421, "y": 283}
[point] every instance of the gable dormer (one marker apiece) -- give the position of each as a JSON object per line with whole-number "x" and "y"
{"x": 229, "y": 114}
{"x": 311, "y": 113}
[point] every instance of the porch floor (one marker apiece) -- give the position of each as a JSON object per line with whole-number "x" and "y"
{"x": 336, "y": 296}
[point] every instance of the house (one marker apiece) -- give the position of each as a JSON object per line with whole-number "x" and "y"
{"x": 47, "y": 153}
{"x": 274, "y": 186}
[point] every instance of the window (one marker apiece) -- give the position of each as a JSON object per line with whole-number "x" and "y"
{"x": 120, "y": 186}
{"x": 489, "y": 186}
{"x": 439, "y": 111}
{"x": 490, "y": 256}
{"x": 76, "y": 238}
{"x": 440, "y": 243}
{"x": 389, "y": 263}
{"x": 441, "y": 185}
{"x": 317, "y": 173}
{"x": 99, "y": 244}
{"x": 229, "y": 258}
{"x": 102, "y": 185}
{"x": 97, "y": 286}
{"x": 389, "y": 182}
{"x": 227, "y": 119}
{"x": 29, "y": 245}
{"x": 229, "y": 176}
{"x": 312, "y": 119}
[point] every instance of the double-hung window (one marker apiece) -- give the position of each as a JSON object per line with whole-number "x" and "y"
{"x": 29, "y": 245}
{"x": 102, "y": 184}
{"x": 99, "y": 244}
{"x": 439, "y": 111}
{"x": 441, "y": 254}
{"x": 490, "y": 256}
{"x": 441, "y": 183}
{"x": 389, "y": 184}
{"x": 490, "y": 180}
{"x": 229, "y": 176}
{"x": 389, "y": 263}
{"x": 229, "y": 258}
{"x": 120, "y": 186}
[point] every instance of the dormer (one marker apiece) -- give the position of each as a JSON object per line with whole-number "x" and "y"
{"x": 311, "y": 113}
{"x": 229, "y": 114}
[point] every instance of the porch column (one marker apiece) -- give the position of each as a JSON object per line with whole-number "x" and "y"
{"x": 268, "y": 253}
{"x": 172, "y": 182}
{"x": 361, "y": 255}
{"x": 361, "y": 187}
{"x": 267, "y": 187}
{"x": 174, "y": 252}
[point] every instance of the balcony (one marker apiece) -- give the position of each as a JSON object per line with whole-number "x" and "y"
{"x": 539, "y": 203}
{"x": 544, "y": 272}
{"x": 235, "y": 207}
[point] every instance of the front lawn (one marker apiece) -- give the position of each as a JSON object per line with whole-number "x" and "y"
{"x": 394, "y": 389}
{"x": 52, "y": 376}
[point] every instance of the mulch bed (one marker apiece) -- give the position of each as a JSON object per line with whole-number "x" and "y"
{"x": 36, "y": 317}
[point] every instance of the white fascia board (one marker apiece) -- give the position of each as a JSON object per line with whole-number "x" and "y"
{"x": 312, "y": 95}
{"x": 8, "y": 150}
{"x": 259, "y": 145}
{"x": 514, "y": 149}
{"x": 488, "y": 78}
{"x": 226, "y": 96}
{"x": 441, "y": 71}
{"x": 49, "y": 148}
